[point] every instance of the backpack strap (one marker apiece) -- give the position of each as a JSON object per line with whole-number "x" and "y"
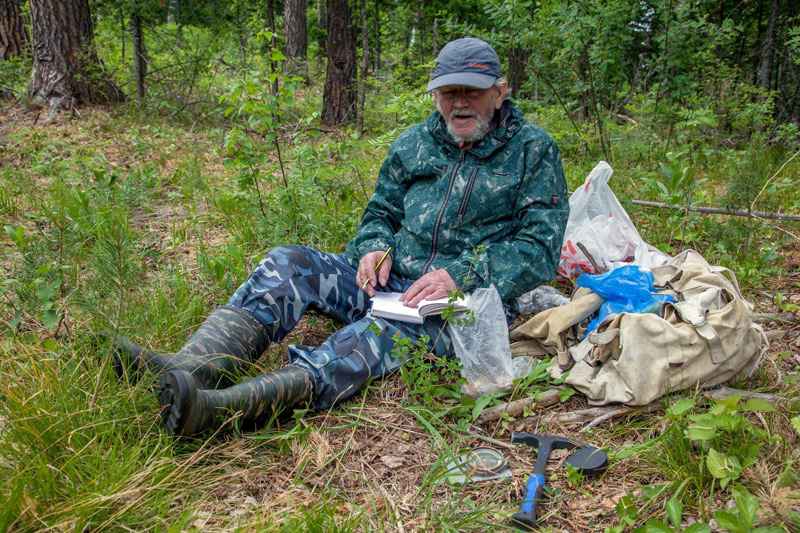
{"x": 690, "y": 313}
{"x": 730, "y": 276}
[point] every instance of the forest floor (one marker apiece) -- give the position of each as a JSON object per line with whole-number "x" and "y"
{"x": 375, "y": 462}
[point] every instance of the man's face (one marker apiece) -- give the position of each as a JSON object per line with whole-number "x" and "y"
{"x": 468, "y": 111}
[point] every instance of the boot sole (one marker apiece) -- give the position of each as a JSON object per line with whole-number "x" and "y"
{"x": 177, "y": 397}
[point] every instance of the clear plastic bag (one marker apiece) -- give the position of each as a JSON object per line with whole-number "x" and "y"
{"x": 483, "y": 347}
{"x": 540, "y": 299}
{"x": 600, "y": 235}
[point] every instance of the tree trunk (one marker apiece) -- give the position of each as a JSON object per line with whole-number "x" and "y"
{"x": 273, "y": 65}
{"x": 517, "y": 70}
{"x": 377, "y": 46}
{"x": 362, "y": 85}
{"x": 322, "y": 24}
{"x": 139, "y": 56}
{"x": 765, "y": 72}
{"x": 174, "y": 17}
{"x": 583, "y": 69}
{"x": 295, "y": 28}
{"x": 294, "y": 18}
{"x": 435, "y": 40}
{"x": 66, "y": 68}
{"x": 339, "y": 98}
{"x": 13, "y": 34}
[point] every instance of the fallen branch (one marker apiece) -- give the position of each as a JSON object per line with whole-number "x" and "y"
{"x": 515, "y": 408}
{"x": 620, "y": 411}
{"x": 788, "y": 318}
{"x": 724, "y": 392}
{"x": 718, "y": 210}
{"x": 597, "y": 415}
{"x": 579, "y": 416}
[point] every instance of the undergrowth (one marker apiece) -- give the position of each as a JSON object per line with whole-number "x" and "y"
{"x": 139, "y": 224}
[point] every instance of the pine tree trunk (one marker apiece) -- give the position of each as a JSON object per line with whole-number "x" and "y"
{"x": 322, "y": 24}
{"x": 66, "y": 69}
{"x": 517, "y": 70}
{"x": 139, "y": 56}
{"x": 583, "y": 69}
{"x": 362, "y": 85}
{"x": 296, "y": 52}
{"x": 435, "y": 40}
{"x": 377, "y": 46}
{"x": 339, "y": 98}
{"x": 765, "y": 73}
{"x": 13, "y": 34}
{"x": 295, "y": 29}
{"x": 273, "y": 65}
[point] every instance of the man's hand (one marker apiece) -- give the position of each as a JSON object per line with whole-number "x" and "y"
{"x": 366, "y": 271}
{"x": 429, "y": 287}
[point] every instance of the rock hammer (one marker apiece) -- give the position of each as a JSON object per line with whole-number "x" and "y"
{"x": 589, "y": 460}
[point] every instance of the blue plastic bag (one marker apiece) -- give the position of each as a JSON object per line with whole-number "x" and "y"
{"x": 626, "y": 289}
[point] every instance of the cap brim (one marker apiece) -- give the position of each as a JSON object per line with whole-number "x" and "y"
{"x": 465, "y": 79}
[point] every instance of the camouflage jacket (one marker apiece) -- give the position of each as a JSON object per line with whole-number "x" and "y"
{"x": 493, "y": 213}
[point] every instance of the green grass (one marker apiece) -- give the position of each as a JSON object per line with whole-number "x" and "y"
{"x": 132, "y": 222}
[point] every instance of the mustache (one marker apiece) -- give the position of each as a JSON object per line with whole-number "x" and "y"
{"x": 463, "y": 113}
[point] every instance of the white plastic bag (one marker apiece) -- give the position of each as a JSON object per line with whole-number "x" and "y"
{"x": 482, "y": 345}
{"x": 600, "y": 235}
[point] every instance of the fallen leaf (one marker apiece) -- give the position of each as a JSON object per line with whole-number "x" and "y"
{"x": 392, "y": 461}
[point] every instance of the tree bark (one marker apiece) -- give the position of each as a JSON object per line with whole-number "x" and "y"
{"x": 435, "y": 39}
{"x": 13, "y": 34}
{"x": 517, "y": 70}
{"x": 362, "y": 84}
{"x": 295, "y": 20}
{"x": 339, "y": 98}
{"x": 295, "y": 28}
{"x": 377, "y": 46}
{"x": 66, "y": 69}
{"x": 322, "y": 24}
{"x": 765, "y": 72}
{"x": 273, "y": 65}
{"x": 139, "y": 56}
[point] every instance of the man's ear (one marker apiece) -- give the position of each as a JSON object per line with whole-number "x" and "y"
{"x": 501, "y": 94}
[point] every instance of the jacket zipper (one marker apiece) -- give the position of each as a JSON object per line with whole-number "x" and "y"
{"x": 435, "y": 238}
{"x": 462, "y": 209}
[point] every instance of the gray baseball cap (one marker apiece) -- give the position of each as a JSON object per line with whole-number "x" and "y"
{"x": 469, "y": 62}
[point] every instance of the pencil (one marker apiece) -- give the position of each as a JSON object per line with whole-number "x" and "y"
{"x": 385, "y": 255}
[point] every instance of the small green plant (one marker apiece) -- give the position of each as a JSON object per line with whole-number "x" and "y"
{"x": 710, "y": 448}
{"x": 746, "y": 518}
{"x": 629, "y": 512}
{"x": 257, "y": 102}
{"x": 426, "y": 376}
{"x": 677, "y": 189}
{"x": 784, "y": 305}
{"x": 223, "y": 270}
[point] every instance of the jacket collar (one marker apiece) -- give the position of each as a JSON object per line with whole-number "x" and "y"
{"x": 506, "y": 123}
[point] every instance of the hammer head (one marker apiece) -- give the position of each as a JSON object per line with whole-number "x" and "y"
{"x": 589, "y": 460}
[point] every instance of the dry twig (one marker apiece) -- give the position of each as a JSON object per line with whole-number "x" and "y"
{"x": 393, "y": 506}
{"x": 515, "y": 408}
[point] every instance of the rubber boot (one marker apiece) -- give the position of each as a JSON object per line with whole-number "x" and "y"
{"x": 217, "y": 351}
{"x": 189, "y": 410}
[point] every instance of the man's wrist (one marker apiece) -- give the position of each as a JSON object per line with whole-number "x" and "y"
{"x": 464, "y": 279}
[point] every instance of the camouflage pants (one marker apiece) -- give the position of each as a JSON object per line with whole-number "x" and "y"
{"x": 292, "y": 279}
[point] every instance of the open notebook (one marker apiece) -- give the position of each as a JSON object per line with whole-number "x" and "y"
{"x": 387, "y": 305}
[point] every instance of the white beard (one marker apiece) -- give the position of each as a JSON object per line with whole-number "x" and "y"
{"x": 482, "y": 126}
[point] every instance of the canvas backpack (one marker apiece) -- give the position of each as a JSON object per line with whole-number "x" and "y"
{"x": 705, "y": 338}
